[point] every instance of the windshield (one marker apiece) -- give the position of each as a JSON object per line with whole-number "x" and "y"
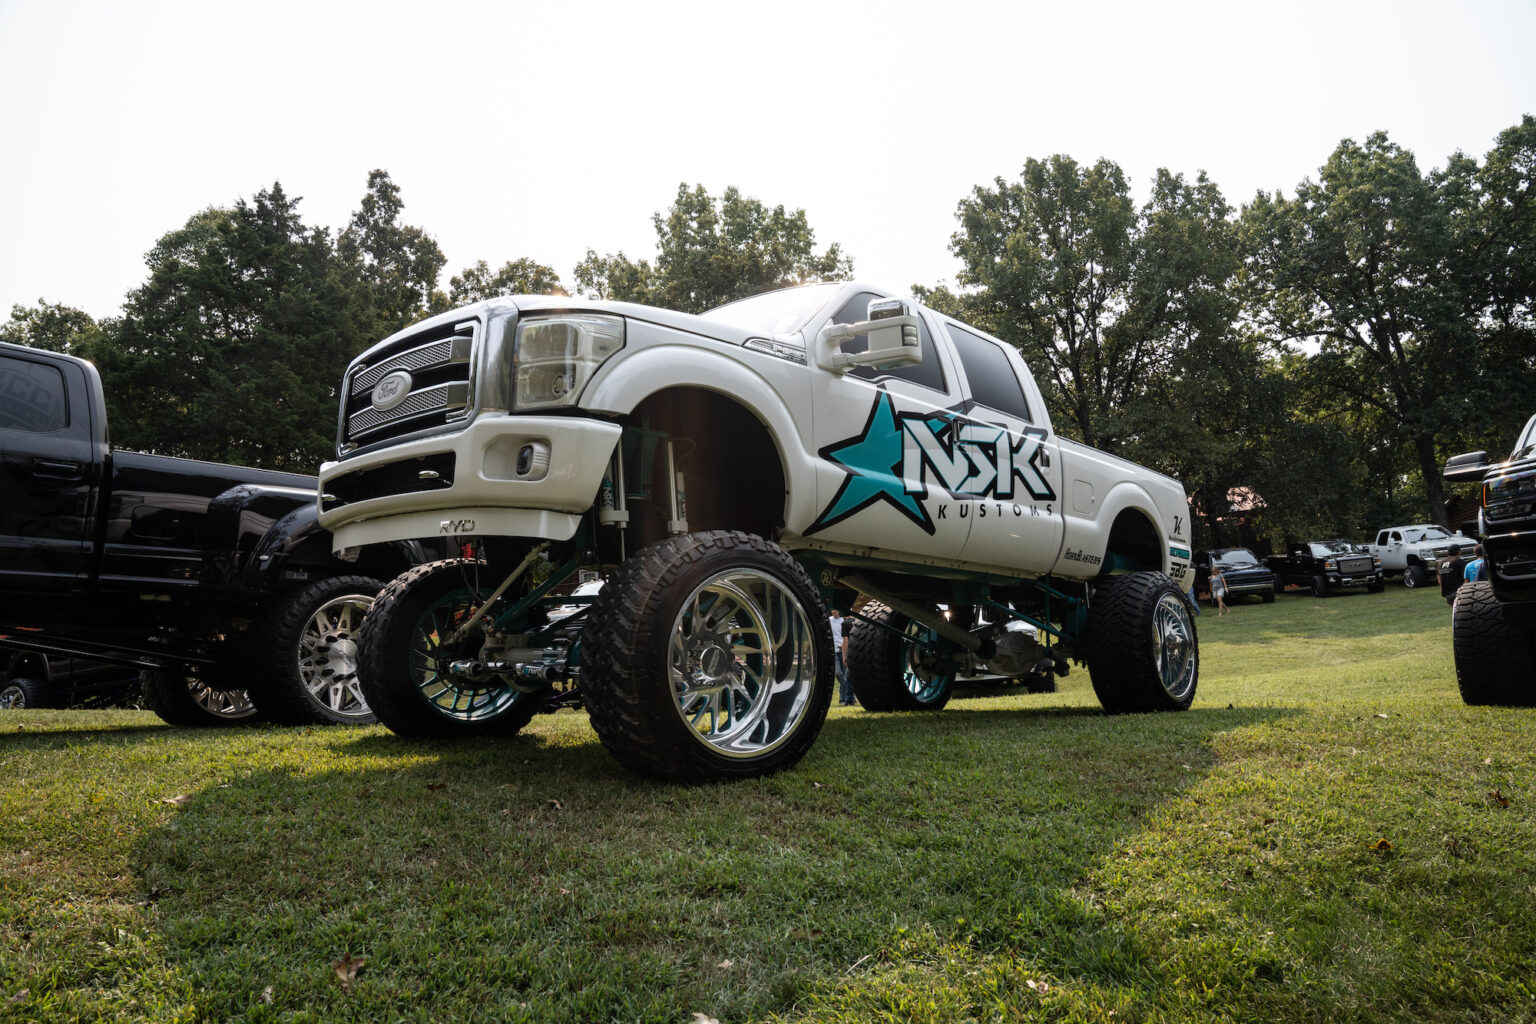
{"x": 1236, "y": 559}
{"x": 779, "y": 312}
{"x": 1527, "y": 441}
{"x": 1427, "y": 533}
{"x": 1322, "y": 548}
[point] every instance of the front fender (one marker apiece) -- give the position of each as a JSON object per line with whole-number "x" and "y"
{"x": 667, "y": 366}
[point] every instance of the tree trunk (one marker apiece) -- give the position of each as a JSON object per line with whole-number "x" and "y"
{"x": 1429, "y": 466}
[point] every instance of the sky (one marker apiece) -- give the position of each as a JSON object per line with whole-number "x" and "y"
{"x": 542, "y": 130}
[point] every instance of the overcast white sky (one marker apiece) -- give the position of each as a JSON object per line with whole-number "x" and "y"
{"x": 544, "y": 129}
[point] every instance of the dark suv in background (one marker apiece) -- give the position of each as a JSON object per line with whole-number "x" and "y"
{"x": 1242, "y": 570}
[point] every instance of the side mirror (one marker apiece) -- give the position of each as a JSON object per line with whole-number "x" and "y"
{"x": 893, "y": 339}
{"x": 1466, "y": 468}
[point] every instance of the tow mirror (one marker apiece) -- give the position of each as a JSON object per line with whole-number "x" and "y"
{"x": 892, "y": 339}
{"x": 1466, "y": 468}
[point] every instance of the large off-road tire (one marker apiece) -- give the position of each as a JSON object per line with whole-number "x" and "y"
{"x": 305, "y": 670}
{"x": 405, "y": 656}
{"x": 1268, "y": 596}
{"x": 1319, "y": 586}
{"x": 1414, "y": 576}
{"x": 186, "y": 700}
{"x": 1376, "y": 588}
{"x": 892, "y": 674}
{"x": 708, "y": 656}
{"x": 1140, "y": 645}
{"x": 1495, "y": 662}
{"x": 25, "y": 693}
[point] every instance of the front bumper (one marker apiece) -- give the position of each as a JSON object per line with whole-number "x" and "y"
{"x": 502, "y": 475}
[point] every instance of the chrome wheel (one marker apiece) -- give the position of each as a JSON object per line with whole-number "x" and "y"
{"x": 742, "y": 663}
{"x": 224, "y": 705}
{"x": 1174, "y": 646}
{"x": 327, "y": 656}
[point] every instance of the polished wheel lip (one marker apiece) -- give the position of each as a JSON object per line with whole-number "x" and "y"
{"x": 445, "y": 695}
{"x": 1173, "y": 645}
{"x": 12, "y": 697}
{"x": 327, "y": 656}
{"x": 229, "y": 705}
{"x": 741, "y": 663}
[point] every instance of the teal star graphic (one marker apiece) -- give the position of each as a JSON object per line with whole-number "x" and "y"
{"x": 873, "y": 461}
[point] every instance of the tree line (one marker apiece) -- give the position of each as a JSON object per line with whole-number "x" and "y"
{"x": 1304, "y": 364}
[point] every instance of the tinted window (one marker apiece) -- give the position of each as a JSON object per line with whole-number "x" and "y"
{"x": 928, "y": 373}
{"x": 990, "y": 374}
{"x": 31, "y": 396}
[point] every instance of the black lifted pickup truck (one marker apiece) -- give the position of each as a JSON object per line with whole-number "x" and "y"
{"x": 217, "y": 582}
{"x": 1493, "y": 624}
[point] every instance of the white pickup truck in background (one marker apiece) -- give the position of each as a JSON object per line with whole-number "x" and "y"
{"x": 729, "y": 473}
{"x": 1415, "y": 552}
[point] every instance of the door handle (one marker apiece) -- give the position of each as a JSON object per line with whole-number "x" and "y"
{"x": 55, "y": 469}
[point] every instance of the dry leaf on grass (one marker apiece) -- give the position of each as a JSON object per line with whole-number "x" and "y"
{"x": 347, "y": 969}
{"x": 704, "y": 1018}
{"x": 1383, "y": 845}
{"x": 266, "y": 995}
{"x": 554, "y": 805}
{"x": 1498, "y": 799}
{"x": 178, "y": 799}
{"x": 726, "y": 965}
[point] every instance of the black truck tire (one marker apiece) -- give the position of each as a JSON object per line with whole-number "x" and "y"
{"x": 1495, "y": 662}
{"x": 887, "y": 672}
{"x": 305, "y": 670}
{"x": 1414, "y": 576}
{"x": 23, "y": 693}
{"x": 1140, "y": 645}
{"x": 404, "y": 657}
{"x": 708, "y": 657}
{"x": 185, "y": 700}
{"x": 1319, "y": 586}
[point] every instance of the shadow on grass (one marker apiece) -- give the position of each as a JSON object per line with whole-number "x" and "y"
{"x": 533, "y": 878}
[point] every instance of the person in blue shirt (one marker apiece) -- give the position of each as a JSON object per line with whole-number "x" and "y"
{"x": 1477, "y": 569}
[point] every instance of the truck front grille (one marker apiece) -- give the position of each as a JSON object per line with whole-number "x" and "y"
{"x": 433, "y": 366}
{"x": 1356, "y": 566}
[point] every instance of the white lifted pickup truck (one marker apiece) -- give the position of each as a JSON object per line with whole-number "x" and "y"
{"x": 729, "y": 472}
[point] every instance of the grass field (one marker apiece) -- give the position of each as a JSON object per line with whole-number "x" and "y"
{"x": 1329, "y": 835}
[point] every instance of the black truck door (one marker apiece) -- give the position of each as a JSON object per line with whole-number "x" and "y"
{"x": 47, "y": 474}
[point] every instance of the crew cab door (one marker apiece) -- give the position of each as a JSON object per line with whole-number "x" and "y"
{"x": 47, "y": 478}
{"x": 1013, "y": 493}
{"x": 874, "y": 487}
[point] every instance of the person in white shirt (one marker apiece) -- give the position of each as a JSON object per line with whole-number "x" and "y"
{"x": 840, "y": 658}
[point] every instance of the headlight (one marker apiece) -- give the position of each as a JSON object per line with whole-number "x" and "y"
{"x": 555, "y": 356}
{"x": 1514, "y": 487}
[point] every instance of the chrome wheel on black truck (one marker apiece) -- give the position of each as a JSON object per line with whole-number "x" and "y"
{"x": 707, "y": 656}
{"x": 25, "y": 693}
{"x": 188, "y": 700}
{"x": 1140, "y": 645}
{"x": 307, "y": 653}
{"x": 1495, "y": 661}
{"x": 422, "y": 661}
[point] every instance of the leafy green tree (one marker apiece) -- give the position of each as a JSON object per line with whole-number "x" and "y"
{"x": 516, "y": 277}
{"x": 399, "y": 264}
{"x": 1406, "y": 289}
{"x": 1102, "y": 299}
{"x": 713, "y": 251}
{"x": 232, "y": 349}
{"x": 55, "y": 327}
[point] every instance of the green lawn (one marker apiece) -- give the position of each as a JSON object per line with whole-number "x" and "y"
{"x": 1316, "y": 840}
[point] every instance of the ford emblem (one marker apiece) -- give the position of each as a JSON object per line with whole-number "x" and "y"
{"x": 391, "y": 391}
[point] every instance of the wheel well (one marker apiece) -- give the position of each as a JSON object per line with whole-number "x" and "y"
{"x": 1133, "y": 544}
{"x": 734, "y": 473}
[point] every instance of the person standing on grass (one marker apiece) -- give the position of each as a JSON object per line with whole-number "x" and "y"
{"x": 840, "y": 657}
{"x": 1451, "y": 575}
{"x": 1477, "y": 569}
{"x": 1218, "y": 589}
